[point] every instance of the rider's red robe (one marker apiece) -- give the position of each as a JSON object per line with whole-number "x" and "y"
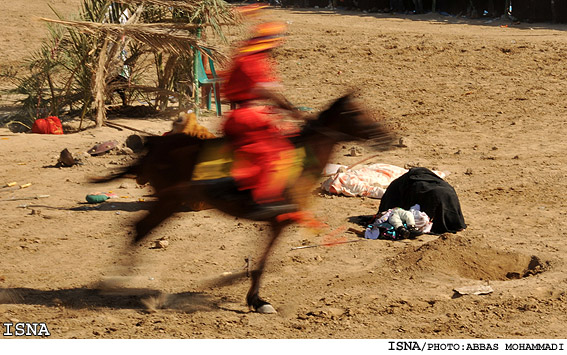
{"x": 261, "y": 151}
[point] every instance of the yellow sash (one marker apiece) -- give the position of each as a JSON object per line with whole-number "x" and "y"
{"x": 216, "y": 158}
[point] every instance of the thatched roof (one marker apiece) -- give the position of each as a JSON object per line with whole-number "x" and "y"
{"x": 208, "y": 12}
{"x": 172, "y": 38}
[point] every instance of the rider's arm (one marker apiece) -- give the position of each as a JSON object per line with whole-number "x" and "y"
{"x": 269, "y": 91}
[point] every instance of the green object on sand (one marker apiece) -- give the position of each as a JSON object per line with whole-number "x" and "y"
{"x": 97, "y": 198}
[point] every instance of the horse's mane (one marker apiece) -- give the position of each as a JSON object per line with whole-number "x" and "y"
{"x": 322, "y": 120}
{"x": 334, "y": 108}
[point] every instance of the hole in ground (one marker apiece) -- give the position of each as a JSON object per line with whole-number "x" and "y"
{"x": 472, "y": 259}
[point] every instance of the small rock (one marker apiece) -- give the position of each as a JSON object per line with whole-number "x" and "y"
{"x": 124, "y": 186}
{"x": 125, "y": 151}
{"x": 160, "y": 244}
{"x": 66, "y": 158}
{"x": 474, "y": 290}
{"x": 355, "y": 152}
{"x": 403, "y": 142}
{"x": 468, "y": 171}
{"x": 334, "y": 312}
{"x": 412, "y": 165}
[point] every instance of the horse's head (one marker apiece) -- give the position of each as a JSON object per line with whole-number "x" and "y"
{"x": 346, "y": 120}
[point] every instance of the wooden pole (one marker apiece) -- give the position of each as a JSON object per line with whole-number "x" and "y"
{"x": 106, "y": 59}
{"x": 196, "y": 89}
{"x": 100, "y": 85}
{"x": 433, "y": 6}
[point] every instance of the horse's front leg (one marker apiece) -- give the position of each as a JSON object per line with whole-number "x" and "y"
{"x": 253, "y": 298}
{"x": 169, "y": 201}
{"x": 166, "y": 205}
{"x": 161, "y": 211}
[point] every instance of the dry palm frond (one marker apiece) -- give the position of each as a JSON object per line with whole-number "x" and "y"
{"x": 223, "y": 10}
{"x": 186, "y": 5}
{"x": 213, "y": 13}
{"x": 166, "y": 38}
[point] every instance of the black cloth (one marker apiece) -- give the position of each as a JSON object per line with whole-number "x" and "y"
{"x": 434, "y": 195}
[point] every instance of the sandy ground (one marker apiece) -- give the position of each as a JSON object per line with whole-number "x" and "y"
{"x": 484, "y": 101}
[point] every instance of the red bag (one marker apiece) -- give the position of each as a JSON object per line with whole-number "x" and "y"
{"x": 49, "y": 125}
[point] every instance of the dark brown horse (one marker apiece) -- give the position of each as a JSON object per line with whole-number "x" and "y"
{"x": 170, "y": 167}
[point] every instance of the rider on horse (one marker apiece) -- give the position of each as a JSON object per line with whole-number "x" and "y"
{"x": 263, "y": 155}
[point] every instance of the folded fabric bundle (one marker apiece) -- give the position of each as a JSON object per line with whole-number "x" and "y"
{"x": 366, "y": 181}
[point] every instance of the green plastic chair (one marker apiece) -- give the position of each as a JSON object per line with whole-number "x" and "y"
{"x": 211, "y": 85}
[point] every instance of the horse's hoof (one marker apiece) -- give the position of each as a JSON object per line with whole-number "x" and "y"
{"x": 266, "y": 309}
{"x": 154, "y": 303}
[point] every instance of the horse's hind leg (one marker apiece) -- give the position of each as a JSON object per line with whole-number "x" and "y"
{"x": 253, "y": 298}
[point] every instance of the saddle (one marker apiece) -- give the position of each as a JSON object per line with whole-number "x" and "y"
{"x": 212, "y": 174}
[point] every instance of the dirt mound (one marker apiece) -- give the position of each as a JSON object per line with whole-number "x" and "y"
{"x": 469, "y": 258}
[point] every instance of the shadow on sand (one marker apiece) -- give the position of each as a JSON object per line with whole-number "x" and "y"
{"x": 126, "y": 298}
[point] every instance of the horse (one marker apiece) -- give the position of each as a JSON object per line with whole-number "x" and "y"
{"x": 171, "y": 165}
